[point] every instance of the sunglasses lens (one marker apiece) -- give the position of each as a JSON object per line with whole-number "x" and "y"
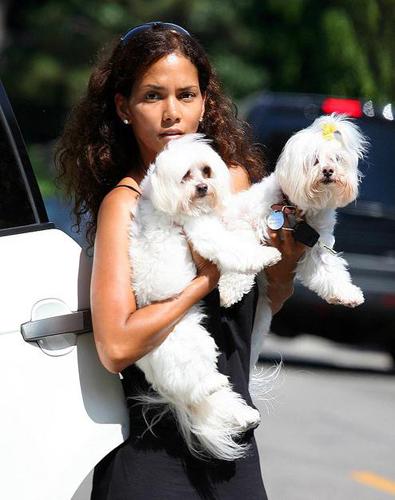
{"x": 142, "y": 27}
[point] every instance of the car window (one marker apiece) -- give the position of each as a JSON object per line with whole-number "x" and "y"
{"x": 21, "y": 206}
{"x": 378, "y": 182}
{"x": 15, "y": 208}
{"x": 273, "y": 127}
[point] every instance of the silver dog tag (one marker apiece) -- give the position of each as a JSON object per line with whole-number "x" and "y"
{"x": 275, "y": 220}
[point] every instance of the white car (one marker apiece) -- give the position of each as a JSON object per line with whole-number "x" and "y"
{"x": 61, "y": 411}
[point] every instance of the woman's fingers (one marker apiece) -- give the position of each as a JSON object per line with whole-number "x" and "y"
{"x": 203, "y": 266}
{"x": 285, "y": 242}
{"x": 290, "y": 245}
{"x": 283, "y": 238}
{"x": 274, "y": 238}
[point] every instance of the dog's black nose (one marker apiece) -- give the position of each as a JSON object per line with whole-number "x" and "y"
{"x": 328, "y": 172}
{"x": 201, "y": 189}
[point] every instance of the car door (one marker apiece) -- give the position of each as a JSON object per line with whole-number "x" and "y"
{"x": 61, "y": 411}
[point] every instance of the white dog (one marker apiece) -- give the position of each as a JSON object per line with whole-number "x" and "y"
{"x": 187, "y": 190}
{"x": 316, "y": 173}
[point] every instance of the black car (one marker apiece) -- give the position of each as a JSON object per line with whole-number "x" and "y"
{"x": 365, "y": 231}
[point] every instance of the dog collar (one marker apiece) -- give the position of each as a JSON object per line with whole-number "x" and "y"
{"x": 284, "y": 215}
{"x": 288, "y": 217}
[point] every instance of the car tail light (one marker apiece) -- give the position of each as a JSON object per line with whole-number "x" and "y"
{"x": 350, "y": 107}
{"x": 388, "y": 300}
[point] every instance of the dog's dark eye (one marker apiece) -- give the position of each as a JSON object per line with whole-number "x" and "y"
{"x": 207, "y": 171}
{"x": 187, "y": 176}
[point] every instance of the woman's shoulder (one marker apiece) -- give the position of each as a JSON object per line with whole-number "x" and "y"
{"x": 126, "y": 191}
{"x": 121, "y": 200}
{"x": 239, "y": 178}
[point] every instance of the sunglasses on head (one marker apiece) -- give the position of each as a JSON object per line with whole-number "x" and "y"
{"x": 142, "y": 27}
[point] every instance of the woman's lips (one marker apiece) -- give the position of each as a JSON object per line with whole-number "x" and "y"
{"x": 171, "y": 135}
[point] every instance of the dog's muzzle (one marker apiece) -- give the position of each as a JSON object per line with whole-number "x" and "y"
{"x": 201, "y": 190}
{"x": 327, "y": 175}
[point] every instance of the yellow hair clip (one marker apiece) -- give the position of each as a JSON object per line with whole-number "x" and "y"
{"x": 328, "y": 130}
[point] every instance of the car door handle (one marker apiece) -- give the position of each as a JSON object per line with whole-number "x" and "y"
{"x": 76, "y": 322}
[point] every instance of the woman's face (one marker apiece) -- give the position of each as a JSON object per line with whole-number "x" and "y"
{"x": 165, "y": 103}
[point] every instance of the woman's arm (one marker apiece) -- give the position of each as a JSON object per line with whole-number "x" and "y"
{"x": 281, "y": 275}
{"x": 123, "y": 333}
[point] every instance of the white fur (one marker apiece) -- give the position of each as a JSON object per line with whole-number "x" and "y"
{"x": 229, "y": 229}
{"x": 299, "y": 174}
{"x": 183, "y": 369}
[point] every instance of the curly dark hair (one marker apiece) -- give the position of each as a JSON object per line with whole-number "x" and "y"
{"x": 96, "y": 150}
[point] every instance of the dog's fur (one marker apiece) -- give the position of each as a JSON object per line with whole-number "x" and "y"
{"x": 187, "y": 192}
{"x": 318, "y": 172}
{"x": 184, "y": 191}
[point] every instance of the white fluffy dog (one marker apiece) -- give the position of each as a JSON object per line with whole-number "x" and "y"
{"x": 316, "y": 173}
{"x": 187, "y": 191}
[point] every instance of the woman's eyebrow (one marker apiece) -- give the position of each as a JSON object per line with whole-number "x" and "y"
{"x": 152, "y": 86}
{"x": 159, "y": 87}
{"x": 189, "y": 87}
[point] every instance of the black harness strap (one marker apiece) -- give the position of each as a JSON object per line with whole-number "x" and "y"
{"x": 130, "y": 187}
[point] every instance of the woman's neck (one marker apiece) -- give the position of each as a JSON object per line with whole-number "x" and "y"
{"x": 137, "y": 172}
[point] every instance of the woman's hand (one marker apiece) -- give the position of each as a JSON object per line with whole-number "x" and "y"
{"x": 124, "y": 333}
{"x": 205, "y": 268}
{"x": 281, "y": 275}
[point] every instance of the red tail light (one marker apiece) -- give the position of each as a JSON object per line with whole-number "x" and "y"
{"x": 350, "y": 107}
{"x": 388, "y": 300}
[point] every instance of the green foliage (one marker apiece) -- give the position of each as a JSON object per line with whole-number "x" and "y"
{"x": 339, "y": 47}
{"x": 41, "y": 158}
{"x": 344, "y": 55}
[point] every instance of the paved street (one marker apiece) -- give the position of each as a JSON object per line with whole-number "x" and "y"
{"x": 329, "y": 434}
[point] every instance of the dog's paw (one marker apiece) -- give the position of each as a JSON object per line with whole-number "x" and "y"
{"x": 207, "y": 386}
{"x": 349, "y": 295}
{"x": 233, "y": 286}
{"x": 246, "y": 418}
{"x": 231, "y": 262}
{"x": 270, "y": 256}
{"x": 259, "y": 259}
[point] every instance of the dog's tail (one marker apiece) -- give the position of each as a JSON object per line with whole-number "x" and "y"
{"x": 208, "y": 434}
{"x": 264, "y": 381}
{"x": 209, "y": 429}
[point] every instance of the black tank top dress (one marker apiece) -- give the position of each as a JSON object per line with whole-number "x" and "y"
{"x": 159, "y": 466}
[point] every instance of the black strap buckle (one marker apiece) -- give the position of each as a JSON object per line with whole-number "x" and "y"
{"x": 305, "y": 234}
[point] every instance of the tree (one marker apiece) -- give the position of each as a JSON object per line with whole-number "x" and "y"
{"x": 341, "y": 47}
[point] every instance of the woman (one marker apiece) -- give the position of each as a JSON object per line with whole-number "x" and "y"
{"x": 156, "y": 84}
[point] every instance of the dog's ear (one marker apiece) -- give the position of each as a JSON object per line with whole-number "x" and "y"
{"x": 342, "y": 128}
{"x": 158, "y": 189}
{"x": 221, "y": 175}
{"x": 164, "y": 193}
{"x": 145, "y": 184}
{"x": 352, "y": 137}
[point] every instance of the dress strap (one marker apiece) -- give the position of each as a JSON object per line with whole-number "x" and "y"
{"x": 130, "y": 187}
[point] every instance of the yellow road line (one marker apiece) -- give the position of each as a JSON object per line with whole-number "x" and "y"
{"x": 375, "y": 481}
